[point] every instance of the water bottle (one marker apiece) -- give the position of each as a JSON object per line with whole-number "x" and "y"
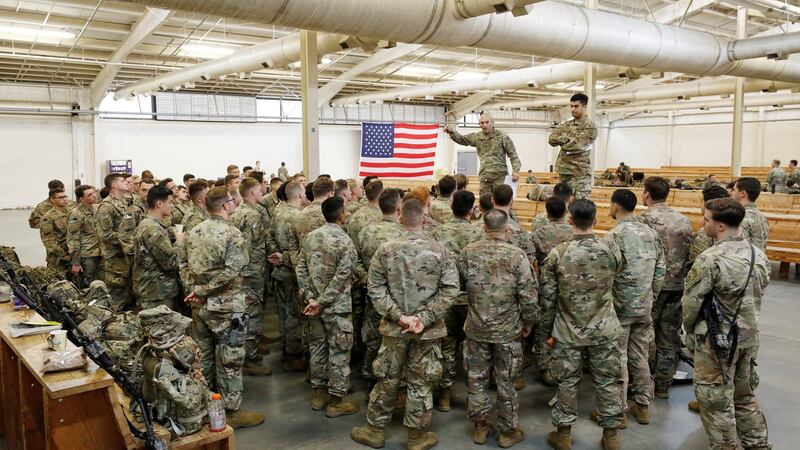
{"x": 216, "y": 413}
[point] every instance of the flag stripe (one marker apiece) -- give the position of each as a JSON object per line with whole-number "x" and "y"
{"x": 429, "y": 160}
{"x": 397, "y": 174}
{"x": 415, "y": 155}
{"x": 412, "y": 126}
{"x": 414, "y": 146}
{"x": 396, "y": 164}
{"x": 415, "y": 136}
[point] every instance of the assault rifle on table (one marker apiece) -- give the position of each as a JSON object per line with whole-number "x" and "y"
{"x": 53, "y": 309}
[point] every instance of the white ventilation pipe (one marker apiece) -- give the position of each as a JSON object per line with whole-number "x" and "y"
{"x": 550, "y": 29}
{"x": 511, "y": 79}
{"x": 777, "y": 5}
{"x": 690, "y": 89}
{"x": 274, "y": 53}
{"x": 776, "y": 46}
{"x": 754, "y": 100}
{"x": 474, "y": 8}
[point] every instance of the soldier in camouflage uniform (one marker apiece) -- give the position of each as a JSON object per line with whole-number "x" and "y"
{"x": 701, "y": 241}
{"x": 455, "y": 235}
{"x": 251, "y": 219}
{"x": 217, "y": 257}
{"x": 541, "y": 192}
{"x": 624, "y": 174}
{"x": 502, "y": 292}
{"x": 83, "y": 243}
{"x": 492, "y": 146}
{"x": 155, "y": 260}
{"x": 728, "y": 410}
{"x": 370, "y": 239}
{"x": 133, "y": 215}
{"x": 575, "y": 137}
{"x": 503, "y": 199}
{"x": 368, "y": 214}
{"x": 562, "y": 191}
{"x": 413, "y": 280}
{"x": 356, "y": 194}
{"x": 45, "y": 205}
{"x": 116, "y": 266}
{"x": 640, "y": 275}
{"x": 53, "y": 232}
{"x": 325, "y": 271}
{"x": 578, "y": 308}
{"x": 793, "y": 178}
{"x": 271, "y": 201}
{"x": 531, "y": 178}
{"x": 181, "y": 205}
{"x": 196, "y": 212}
{"x": 441, "y": 207}
{"x": 675, "y": 232}
{"x": 754, "y": 227}
{"x": 776, "y": 178}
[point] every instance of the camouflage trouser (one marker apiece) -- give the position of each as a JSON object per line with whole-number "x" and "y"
{"x": 92, "y": 270}
{"x": 728, "y": 410}
{"x": 118, "y": 280}
{"x": 253, "y": 289}
{"x": 419, "y": 361}
{"x": 371, "y": 336}
{"x": 330, "y": 342}
{"x": 541, "y": 349}
{"x": 359, "y": 297}
{"x": 454, "y": 319}
{"x": 567, "y": 367}
{"x": 667, "y": 324}
{"x": 490, "y": 180}
{"x": 221, "y": 359}
{"x": 287, "y": 298}
{"x": 581, "y": 185}
{"x": 634, "y": 345}
{"x": 58, "y": 264}
{"x": 504, "y": 361}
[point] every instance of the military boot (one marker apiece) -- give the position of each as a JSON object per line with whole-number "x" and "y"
{"x": 319, "y": 398}
{"x": 369, "y": 435}
{"x": 596, "y": 419}
{"x": 243, "y": 419}
{"x": 694, "y": 406}
{"x": 419, "y": 439}
{"x": 337, "y": 407}
{"x": 641, "y": 413}
{"x": 481, "y": 433}
{"x": 519, "y": 383}
{"x": 443, "y": 404}
{"x": 254, "y": 369}
{"x": 510, "y": 438}
{"x": 662, "y": 391}
{"x": 610, "y": 439}
{"x": 547, "y": 378}
{"x": 561, "y": 439}
{"x": 400, "y": 401}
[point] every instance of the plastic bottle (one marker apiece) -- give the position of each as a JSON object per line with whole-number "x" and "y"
{"x": 216, "y": 413}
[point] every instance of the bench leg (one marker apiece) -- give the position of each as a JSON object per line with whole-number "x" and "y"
{"x": 783, "y": 271}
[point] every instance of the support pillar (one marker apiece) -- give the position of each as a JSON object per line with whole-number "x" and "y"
{"x": 670, "y": 134}
{"x": 310, "y": 97}
{"x": 589, "y": 80}
{"x": 760, "y": 134}
{"x": 738, "y": 102}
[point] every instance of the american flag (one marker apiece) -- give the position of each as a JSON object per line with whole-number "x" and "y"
{"x": 399, "y": 150}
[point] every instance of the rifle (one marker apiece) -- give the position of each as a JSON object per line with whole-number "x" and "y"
{"x": 53, "y": 309}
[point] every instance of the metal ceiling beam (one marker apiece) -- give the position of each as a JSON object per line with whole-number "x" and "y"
{"x": 680, "y": 10}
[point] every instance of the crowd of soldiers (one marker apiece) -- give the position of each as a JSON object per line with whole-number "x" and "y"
{"x": 400, "y": 281}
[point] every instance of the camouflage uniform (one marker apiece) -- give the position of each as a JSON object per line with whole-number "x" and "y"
{"x": 217, "y": 258}
{"x": 624, "y": 175}
{"x": 540, "y": 192}
{"x": 518, "y": 237}
{"x": 53, "y": 231}
{"x": 83, "y": 244}
{"x": 578, "y": 307}
{"x": 308, "y": 220}
{"x": 116, "y": 266}
{"x": 369, "y": 240}
{"x": 127, "y": 228}
{"x": 155, "y": 266}
{"x": 325, "y": 271}
{"x": 283, "y": 173}
{"x": 675, "y": 233}
{"x": 41, "y": 209}
{"x": 179, "y": 211}
{"x": 530, "y": 179}
{"x": 793, "y": 181}
{"x": 502, "y": 293}
{"x": 455, "y": 235}
{"x": 194, "y": 216}
{"x": 441, "y": 209}
{"x": 411, "y": 275}
{"x": 270, "y": 202}
{"x": 286, "y": 295}
{"x": 728, "y": 410}
{"x": 575, "y": 137}
{"x": 755, "y": 227}
{"x": 776, "y": 180}
{"x": 359, "y": 220}
{"x": 492, "y": 150}
{"x": 637, "y": 283}
{"x": 700, "y": 243}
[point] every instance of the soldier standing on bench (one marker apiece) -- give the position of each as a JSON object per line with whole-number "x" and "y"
{"x": 575, "y": 137}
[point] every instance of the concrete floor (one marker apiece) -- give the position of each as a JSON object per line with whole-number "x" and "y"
{"x": 291, "y": 424}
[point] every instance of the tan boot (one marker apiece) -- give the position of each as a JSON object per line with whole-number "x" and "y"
{"x": 319, "y": 399}
{"x": 481, "y": 433}
{"x": 254, "y": 369}
{"x": 337, "y": 407}
{"x": 641, "y": 413}
{"x": 560, "y": 439}
{"x": 547, "y": 378}
{"x": 662, "y": 391}
{"x": 596, "y": 419}
{"x": 694, "y": 406}
{"x": 369, "y": 435}
{"x": 519, "y": 383}
{"x": 420, "y": 439}
{"x": 509, "y": 438}
{"x": 243, "y": 419}
{"x": 443, "y": 404}
{"x": 610, "y": 439}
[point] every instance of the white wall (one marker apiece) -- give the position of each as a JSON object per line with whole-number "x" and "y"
{"x": 531, "y": 144}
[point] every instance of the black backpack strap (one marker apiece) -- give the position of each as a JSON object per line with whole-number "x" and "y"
{"x": 733, "y": 333}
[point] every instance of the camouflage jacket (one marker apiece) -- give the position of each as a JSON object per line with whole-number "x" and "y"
{"x": 793, "y": 177}
{"x": 193, "y": 217}
{"x": 700, "y": 243}
{"x": 492, "y": 150}
{"x": 641, "y": 270}
{"x": 539, "y": 220}
{"x": 455, "y": 235}
{"x": 575, "y": 292}
{"x": 326, "y": 268}
{"x": 530, "y": 179}
{"x": 540, "y": 192}
{"x": 755, "y": 227}
{"x": 251, "y": 221}
{"x": 285, "y": 241}
{"x": 412, "y": 275}
{"x": 155, "y": 262}
{"x": 109, "y": 216}
{"x": 441, "y": 209}
{"x": 359, "y": 220}
{"x": 35, "y": 218}
{"x": 776, "y": 178}
{"x": 502, "y": 291}
{"x": 675, "y": 232}
{"x": 217, "y": 256}
{"x": 53, "y": 231}
{"x": 375, "y": 234}
{"x": 269, "y": 202}
{"x": 82, "y": 240}
{"x": 308, "y": 220}
{"x": 283, "y": 173}
{"x": 575, "y": 137}
{"x": 179, "y": 211}
{"x": 127, "y": 228}
{"x": 624, "y": 174}
{"x": 723, "y": 268}
{"x": 519, "y": 237}
{"x": 353, "y": 207}
{"x": 547, "y": 237}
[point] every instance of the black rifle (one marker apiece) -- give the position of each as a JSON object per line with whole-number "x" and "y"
{"x": 52, "y": 309}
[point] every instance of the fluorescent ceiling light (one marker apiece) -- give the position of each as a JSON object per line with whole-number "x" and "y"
{"x": 205, "y": 51}
{"x": 325, "y": 60}
{"x": 32, "y": 33}
{"x": 467, "y": 75}
{"x": 418, "y": 71}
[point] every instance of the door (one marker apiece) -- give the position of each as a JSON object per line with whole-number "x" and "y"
{"x": 467, "y": 163}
